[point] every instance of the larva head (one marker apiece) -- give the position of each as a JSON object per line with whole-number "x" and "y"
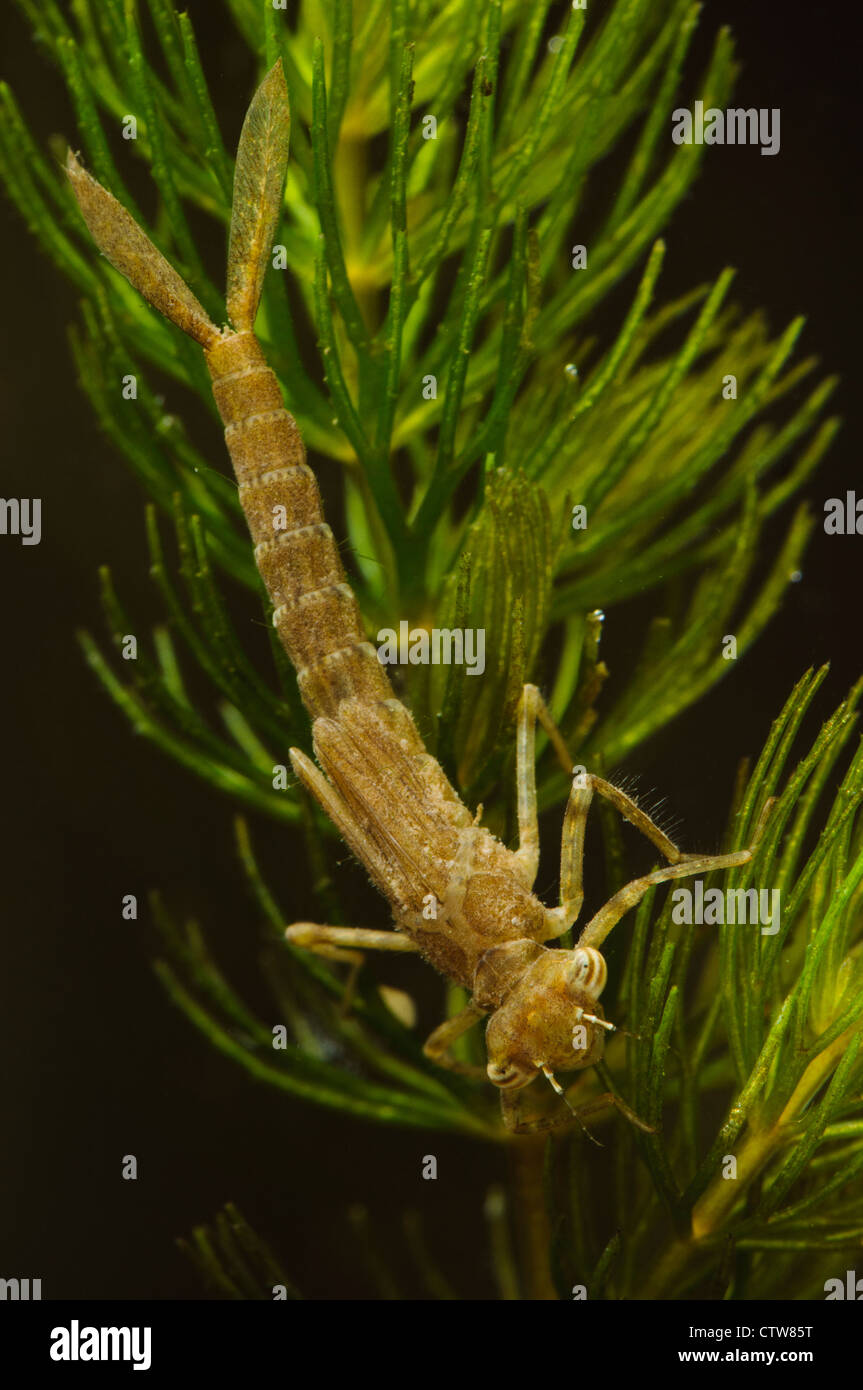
{"x": 550, "y": 1020}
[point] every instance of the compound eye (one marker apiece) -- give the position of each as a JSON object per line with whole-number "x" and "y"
{"x": 588, "y": 972}
{"x": 506, "y": 1074}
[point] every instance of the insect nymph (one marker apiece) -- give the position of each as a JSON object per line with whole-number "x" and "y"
{"x": 388, "y": 797}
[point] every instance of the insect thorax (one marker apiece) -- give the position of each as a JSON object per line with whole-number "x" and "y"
{"x": 482, "y": 907}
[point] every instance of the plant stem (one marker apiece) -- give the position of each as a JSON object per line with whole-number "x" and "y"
{"x": 533, "y": 1230}
{"x": 350, "y": 169}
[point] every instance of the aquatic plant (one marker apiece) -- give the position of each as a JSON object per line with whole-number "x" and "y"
{"x": 507, "y": 455}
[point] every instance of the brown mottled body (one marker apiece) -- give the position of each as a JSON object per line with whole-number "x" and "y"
{"x": 315, "y": 612}
{"x": 458, "y": 896}
{"x": 418, "y": 839}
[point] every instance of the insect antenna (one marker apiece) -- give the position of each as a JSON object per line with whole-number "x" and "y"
{"x": 556, "y": 1086}
{"x": 580, "y": 1016}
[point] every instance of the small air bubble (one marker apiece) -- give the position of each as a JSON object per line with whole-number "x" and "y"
{"x": 571, "y": 371}
{"x": 598, "y": 615}
{"x": 555, "y": 44}
{"x": 795, "y": 576}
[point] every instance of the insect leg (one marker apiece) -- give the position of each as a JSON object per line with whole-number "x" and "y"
{"x": 608, "y": 1098}
{"x": 632, "y": 812}
{"x": 531, "y": 708}
{"x": 517, "y": 1123}
{"x": 572, "y": 855}
{"x": 437, "y": 1045}
{"x": 345, "y": 944}
{"x": 607, "y": 917}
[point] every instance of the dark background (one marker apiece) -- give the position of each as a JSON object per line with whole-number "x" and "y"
{"x": 96, "y": 1063}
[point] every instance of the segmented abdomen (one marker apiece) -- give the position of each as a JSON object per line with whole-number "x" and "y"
{"x": 315, "y": 612}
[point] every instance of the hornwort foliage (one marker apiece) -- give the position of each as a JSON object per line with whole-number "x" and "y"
{"x": 434, "y": 343}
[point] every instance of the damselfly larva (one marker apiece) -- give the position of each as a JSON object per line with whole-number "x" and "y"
{"x": 388, "y": 797}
